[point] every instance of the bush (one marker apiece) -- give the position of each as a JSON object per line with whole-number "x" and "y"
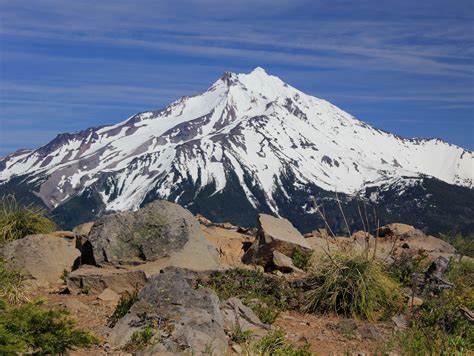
{"x": 463, "y": 245}
{"x": 11, "y": 285}
{"x": 125, "y": 303}
{"x": 33, "y": 329}
{"x": 439, "y": 326}
{"x": 266, "y": 295}
{"x": 461, "y": 272}
{"x": 275, "y": 344}
{"x": 17, "y": 222}
{"x": 354, "y": 286}
{"x": 302, "y": 259}
{"x": 142, "y": 338}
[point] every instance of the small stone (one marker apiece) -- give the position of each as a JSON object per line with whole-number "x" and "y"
{"x": 370, "y": 332}
{"x": 415, "y": 301}
{"x": 237, "y": 349}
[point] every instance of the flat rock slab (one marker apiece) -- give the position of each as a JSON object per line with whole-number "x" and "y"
{"x": 237, "y": 315}
{"x": 159, "y": 230}
{"x": 187, "y": 318}
{"x": 41, "y": 258}
{"x": 274, "y": 234}
{"x": 94, "y": 280}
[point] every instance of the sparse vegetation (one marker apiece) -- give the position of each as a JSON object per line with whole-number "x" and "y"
{"x": 85, "y": 290}
{"x": 239, "y": 335}
{"x": 142, "y": 338}
{"x": 302, "y": 259}
{"x": 266, "y": 295}
{"x": 276, "y": 344}
{"x": 406, "y": 264}
{"x": 463, "y": 245}
{"x": 442, "y": 325}
{"x": 30, "y": 328}
{"x": 353, "y": 286}
{"x": 18, "y": 221}
{"x": 11, "y": 285}
{"x": 125, "y": 303}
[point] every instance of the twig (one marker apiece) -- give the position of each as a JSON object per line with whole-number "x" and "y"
{"x": 343, "y": 215}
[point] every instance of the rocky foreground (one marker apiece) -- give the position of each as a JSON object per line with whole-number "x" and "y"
{"x": 165, "y": 255}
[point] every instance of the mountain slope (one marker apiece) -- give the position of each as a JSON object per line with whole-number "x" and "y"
{"x": 250, "y": 140}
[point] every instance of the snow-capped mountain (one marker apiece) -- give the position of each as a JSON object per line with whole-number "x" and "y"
{"x": 250, "y": 139}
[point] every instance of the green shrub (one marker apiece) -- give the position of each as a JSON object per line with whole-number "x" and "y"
{"x": 18, "y": 221}
{"x": 439, "y": 326}
{"x": 31, "y": 328}
{"x": 275, "y": 344}
{"x": 11, "y": 285}
{"x": 354, "y": 286}
{"x": 461, "y": 272}
{"x": 302, "y": 259}
{"x": 125, "y": 303}
{"x": 463, "y": 245}
{"x": 266, "y": 295}
{"x": 142, "y": 338}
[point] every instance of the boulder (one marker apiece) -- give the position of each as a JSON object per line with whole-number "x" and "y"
{"x": 284, "y": 263}
{"x": 370, "y": 332}
{"x": 95, "y": 280}
{"x": 186, "y": 318}
{"x": 431, "y": 244}
{"x": 160, "y": 230}
{"x": 237, "y": 315}
{"x": 83, "y": 229}
{"x": 42, "y": 259}
{"x": 108, "y": 295}
{"x": 64, "y": 234}
{"x": 274, "y": 234}
{"x": 395, "y": 229}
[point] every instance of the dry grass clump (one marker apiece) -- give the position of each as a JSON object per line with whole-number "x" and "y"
{"x": 18, "y": 221}
{"x": 11, "y": 285}
{"x": 353, "y": 286}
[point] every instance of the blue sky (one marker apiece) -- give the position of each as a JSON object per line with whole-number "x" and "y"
{"x": 403, "y": 66}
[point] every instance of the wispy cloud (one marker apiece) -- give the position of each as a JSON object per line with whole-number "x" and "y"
{"x": 102, "y": 61}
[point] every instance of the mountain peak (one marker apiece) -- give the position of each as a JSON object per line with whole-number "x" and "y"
{"x": 259, "y": 71}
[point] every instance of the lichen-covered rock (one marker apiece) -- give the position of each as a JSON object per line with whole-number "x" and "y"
{"x": 159, "y": 230}
{"x": 237, "y": 315}
{"x": 185, "y": 317}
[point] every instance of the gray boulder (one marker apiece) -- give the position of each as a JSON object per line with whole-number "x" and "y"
{"x": 237, "y": 315}
{"x": 42, "y": 259}
{"x": 185, "y": 317}
{"x": 160, "y": 230}
{"x": 274, "y": 234}
{"x": 284, "y": 263}
{"x": 95, "y": 280}
{"x": 83, "y": 229}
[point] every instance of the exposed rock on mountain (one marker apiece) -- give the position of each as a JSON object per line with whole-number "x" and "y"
{"x": 42, "y": 259}
{"x": 157, "y": 231}
{"x": 187, "y": 318}
{"x": 275, "y": 235}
